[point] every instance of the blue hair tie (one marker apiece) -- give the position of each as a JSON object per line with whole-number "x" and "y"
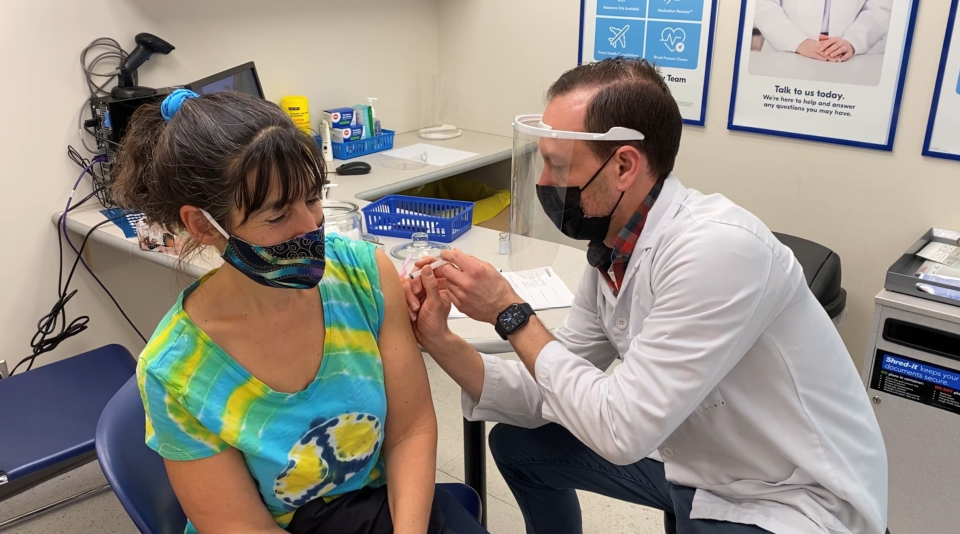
{"x": 171, "y": 104}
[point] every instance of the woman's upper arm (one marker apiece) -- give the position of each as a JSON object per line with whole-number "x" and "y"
{"x": 219, "y": 495}
{"x": 409, "y": 404}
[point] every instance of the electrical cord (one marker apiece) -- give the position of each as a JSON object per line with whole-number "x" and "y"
{"x": 100, "y": 186}
{"x": 113, "y": 52}
{"x": 46, "y": 340}
{"x": 63, "y": 232}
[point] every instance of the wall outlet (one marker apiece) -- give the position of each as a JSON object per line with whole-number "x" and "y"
{"x": 3, "y": 369}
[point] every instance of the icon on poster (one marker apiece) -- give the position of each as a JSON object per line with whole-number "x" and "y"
{"x": 673, "y": 39}
{"x": 619, "y": 36}
{"x": 673, "y": 44}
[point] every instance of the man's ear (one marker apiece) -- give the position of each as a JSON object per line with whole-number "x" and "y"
{"x": 199, "y": 227}
{"x": 631, "y": 166}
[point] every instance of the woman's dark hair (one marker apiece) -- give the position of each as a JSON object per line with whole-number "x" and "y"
{"x": 631, "y": 94}
{"x": 219, "y": 152}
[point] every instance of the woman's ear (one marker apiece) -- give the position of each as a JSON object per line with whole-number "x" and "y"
{"x": 200, "y": 228}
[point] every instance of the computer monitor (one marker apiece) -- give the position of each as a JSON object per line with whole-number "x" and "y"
{"x": 243, "y": 79}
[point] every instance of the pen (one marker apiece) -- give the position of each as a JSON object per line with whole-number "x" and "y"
{"x": 439, "y": 263}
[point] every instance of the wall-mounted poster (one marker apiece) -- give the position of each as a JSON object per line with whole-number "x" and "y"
{"x": 674, "y": 35}
{"x": 943, "y": 128}
{"x": 822, "y": 70}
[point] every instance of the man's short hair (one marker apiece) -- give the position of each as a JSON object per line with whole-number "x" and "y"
{"x": 631, "y": 94}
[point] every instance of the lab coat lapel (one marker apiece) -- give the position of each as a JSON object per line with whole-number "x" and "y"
{"x": 663, "y": 211}
{"x": 660, "y": 216}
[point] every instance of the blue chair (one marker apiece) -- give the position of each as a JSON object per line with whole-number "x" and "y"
{"x": 50, "y": 416}
{"x": 139, "y": 479}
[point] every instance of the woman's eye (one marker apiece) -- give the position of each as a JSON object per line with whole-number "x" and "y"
{"x": 275, "y": 220}
{"x": 313, "y": 202}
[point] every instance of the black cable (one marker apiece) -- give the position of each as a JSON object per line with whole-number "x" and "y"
{"x": 93, "y": 133}
{"x": 83, "y": 200}
{"x": 45, "y": 340}
{"x": 100, "y": 187}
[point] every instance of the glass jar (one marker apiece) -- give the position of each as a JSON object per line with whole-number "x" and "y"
{"x": 343, "y": 218}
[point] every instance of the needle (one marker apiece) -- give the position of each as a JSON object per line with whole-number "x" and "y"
{"x": 439, "y": 263}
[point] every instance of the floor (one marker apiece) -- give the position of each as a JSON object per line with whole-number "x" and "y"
{"x": 102, "y": 513}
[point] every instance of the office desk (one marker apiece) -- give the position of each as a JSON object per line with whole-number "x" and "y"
{"x": 864, "y": 69}
{"x": 480, "y": 242}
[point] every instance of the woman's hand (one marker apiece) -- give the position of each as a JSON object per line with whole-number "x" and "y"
{"x": 429, "y": 304}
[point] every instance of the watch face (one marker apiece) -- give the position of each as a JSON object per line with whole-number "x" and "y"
{"x": 512, "y": 318}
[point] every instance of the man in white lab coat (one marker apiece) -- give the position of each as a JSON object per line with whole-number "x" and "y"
{"x": 825, "y": 30}
{"x": 736, "y": 406}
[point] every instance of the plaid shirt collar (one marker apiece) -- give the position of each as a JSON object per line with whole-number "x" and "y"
{"x": 612, "y": 262}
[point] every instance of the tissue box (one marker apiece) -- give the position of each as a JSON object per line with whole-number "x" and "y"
{"x": 345, "y": 134}
{"x": 339, "y": 117}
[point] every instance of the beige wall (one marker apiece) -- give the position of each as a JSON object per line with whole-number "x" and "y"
{"x": 868, "y": 206}
{"x": 290, "y": 41}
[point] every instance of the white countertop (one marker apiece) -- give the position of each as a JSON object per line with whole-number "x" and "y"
{"x": 480, "y": 242}
{"x": 864, "y": 69}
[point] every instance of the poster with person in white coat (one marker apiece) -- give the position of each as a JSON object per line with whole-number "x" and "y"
{"x": 824, "y": 70}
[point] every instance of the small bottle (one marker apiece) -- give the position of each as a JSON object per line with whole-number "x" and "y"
{"x": 504, "y": 243}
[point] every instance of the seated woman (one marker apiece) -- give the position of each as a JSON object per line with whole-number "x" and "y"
{"x": 267, "y": 398}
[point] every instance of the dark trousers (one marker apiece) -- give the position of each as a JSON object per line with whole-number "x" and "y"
{"x": 544, "y": 466}
{"x": 367, "y": 511}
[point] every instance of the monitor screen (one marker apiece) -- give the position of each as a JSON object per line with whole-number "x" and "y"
{"x": 243, "y": 82}
{"x": 242, "y": 79}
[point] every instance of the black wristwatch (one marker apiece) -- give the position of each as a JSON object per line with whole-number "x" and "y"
{"x": 511, "y": 319}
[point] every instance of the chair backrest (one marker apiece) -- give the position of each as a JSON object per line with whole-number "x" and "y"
{"x": 135, "y": 472}
{"x": 465, "y": 495}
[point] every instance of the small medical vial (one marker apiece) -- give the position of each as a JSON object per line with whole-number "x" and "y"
{"x": 504, "y": 243}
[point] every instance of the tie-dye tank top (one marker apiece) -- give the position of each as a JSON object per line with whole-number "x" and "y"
{"x": 323, "y": 441}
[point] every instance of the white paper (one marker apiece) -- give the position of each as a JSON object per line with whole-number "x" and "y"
{"x": 930, "y": 268}
{"x": 436, "y": 155}
{"x": 948, "y": 255}
{"x": 541, "y": 288}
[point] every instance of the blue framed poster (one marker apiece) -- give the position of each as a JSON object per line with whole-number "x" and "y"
{"x": 674, "y": 35}
{"x": 822, "y": 71}
{"x": 943, "y": 127}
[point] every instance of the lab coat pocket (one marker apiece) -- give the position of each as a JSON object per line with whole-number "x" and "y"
{"x": 713, "y": 401}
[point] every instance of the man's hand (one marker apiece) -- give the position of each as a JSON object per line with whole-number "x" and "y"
{"x": 429, "y": 305}
{"x": 477, "y": 288}
{"x": 836, "y": 49}
{"x": 811, "y": 49}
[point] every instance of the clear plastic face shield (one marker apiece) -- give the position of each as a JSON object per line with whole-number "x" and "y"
{"x": 550, "y": 167}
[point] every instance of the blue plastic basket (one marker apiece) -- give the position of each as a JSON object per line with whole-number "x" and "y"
{"x": 402, "y": 216}
{"x": 355, "y": 149}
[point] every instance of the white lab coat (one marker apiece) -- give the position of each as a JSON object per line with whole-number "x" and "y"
{"x": 731, "y": 370}
{"x": 787, "y": 23}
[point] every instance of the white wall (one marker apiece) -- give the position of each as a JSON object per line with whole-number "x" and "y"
{"x": 292, "y": 42}
{"x": 868, "y": 206}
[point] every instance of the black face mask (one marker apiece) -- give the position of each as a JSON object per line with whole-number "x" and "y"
{"x": 567, "y": 213}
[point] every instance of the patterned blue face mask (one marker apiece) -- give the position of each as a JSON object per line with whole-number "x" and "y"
{"x": 297, "y": 263}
